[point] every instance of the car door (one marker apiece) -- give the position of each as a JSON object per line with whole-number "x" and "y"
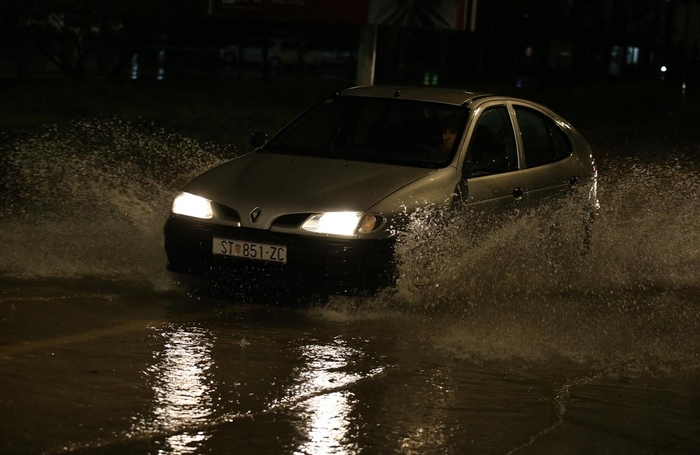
{"x": 548, "y": 166}
{"x": 491, "y": 166}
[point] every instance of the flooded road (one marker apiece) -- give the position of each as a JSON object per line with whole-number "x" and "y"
{"x": 509, "y": 344}
{"x": 104, "y": 367}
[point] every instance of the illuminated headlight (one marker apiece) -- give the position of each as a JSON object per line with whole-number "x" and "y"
{"x": 340, "y": 223}
{"x": 191, "y": 205}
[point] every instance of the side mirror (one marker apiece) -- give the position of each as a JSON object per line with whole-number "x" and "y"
{"x": 258, "y": 139}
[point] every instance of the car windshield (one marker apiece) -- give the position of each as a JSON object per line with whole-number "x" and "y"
{"x": 380, "y": 130}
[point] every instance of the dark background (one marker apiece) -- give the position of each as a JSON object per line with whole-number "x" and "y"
{"x": 598, "y": 62}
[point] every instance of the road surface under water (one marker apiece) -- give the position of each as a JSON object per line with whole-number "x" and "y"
{"x": 508, "y": 343}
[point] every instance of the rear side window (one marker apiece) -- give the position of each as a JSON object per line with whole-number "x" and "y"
{"x": 543, "y": 141}
{"x": 492, "y": 149}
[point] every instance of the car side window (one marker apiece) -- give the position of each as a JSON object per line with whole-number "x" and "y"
{"x": 492, "y": 148}
{"x": 543, "y": 141}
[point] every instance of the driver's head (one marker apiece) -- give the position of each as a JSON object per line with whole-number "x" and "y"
{"x": 449, "y": 133}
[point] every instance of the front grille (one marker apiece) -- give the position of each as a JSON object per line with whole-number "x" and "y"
{"x": 339, "y": 264}
{"x": 226, "y": 213}
{"x": 291, "y": 221}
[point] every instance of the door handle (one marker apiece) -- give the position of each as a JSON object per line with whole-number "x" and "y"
{"x": 518, "y": 193}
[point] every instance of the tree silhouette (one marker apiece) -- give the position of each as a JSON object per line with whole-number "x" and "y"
{"x": 70, "y": 32}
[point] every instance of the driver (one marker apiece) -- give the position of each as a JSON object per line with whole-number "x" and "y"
{"x": 449, "y": 133}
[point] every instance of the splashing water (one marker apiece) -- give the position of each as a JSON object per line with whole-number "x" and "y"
{"x": 518, "y": 287}
{"x": 646, "y": 236}
{"x": 90, "y": 198}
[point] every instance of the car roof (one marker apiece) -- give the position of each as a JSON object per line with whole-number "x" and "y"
{"x": 434, "y": 94}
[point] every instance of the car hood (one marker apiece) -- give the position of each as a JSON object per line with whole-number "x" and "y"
{"x": 283, "y": 184}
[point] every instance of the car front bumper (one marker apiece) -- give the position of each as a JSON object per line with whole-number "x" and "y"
{"x": 337, "y": 266}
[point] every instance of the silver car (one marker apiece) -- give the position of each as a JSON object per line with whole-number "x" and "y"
{"x": 320, "y": 203}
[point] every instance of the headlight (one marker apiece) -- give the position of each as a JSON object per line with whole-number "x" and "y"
{"x": 191, "y": 205}
{"x": 340, "y": 223}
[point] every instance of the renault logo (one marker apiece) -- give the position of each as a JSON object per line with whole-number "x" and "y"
{"x": 255, "y": 214}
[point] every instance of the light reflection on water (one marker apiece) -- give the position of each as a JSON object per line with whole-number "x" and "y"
{"x": 182, "y": 383}
{"x": 323, "y": 400}
{"x": 327, "y": 424}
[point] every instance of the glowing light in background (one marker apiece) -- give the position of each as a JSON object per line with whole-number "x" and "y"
{"x": 161, "y": 65}
{"x": 430, "y": 78}
{"x": 134, "y": 66}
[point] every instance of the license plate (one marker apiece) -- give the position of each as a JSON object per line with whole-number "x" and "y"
{"x": 250, "y": 250}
